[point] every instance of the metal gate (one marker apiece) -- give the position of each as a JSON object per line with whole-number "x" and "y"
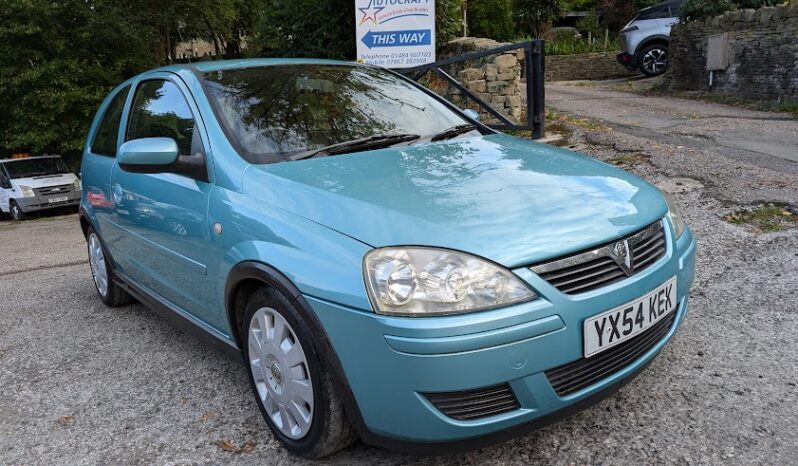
{"x": 534, "y": 69}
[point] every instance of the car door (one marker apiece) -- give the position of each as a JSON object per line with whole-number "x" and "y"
{"x": 99, "y": 158}
{"x": 162, "y": 218}
{"x": 5, "y": 188}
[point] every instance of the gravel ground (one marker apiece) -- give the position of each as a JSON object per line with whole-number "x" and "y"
{"x": 83, "y": 384}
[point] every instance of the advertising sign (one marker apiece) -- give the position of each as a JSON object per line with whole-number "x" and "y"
{"x": 395, "y": 33}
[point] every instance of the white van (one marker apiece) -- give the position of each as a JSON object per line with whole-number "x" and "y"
{"x": 36, "y": 183}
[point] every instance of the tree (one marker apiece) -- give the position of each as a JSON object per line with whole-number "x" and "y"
{"x": 616, "y": 13}
{"x": 536, "y": 16}
{"x": 58, "y": 60}
{"x": 492, "y": 19}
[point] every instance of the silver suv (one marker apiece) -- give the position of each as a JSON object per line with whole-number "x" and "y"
{"x": 645, "y": 40}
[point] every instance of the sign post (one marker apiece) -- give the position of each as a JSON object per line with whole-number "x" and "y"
{"x": 395, "y": 33}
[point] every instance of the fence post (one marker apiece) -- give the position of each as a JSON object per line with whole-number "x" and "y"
{"x": 535, "y": 91}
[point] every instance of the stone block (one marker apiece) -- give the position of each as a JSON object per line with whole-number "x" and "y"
{"x": 471, "y": 74}
{"x": 505, "y": 61}
{"x": 513, "y": 101}
{"x": 505, "y": 76}
{"x": 477, "y": 85}
{"x": 496, "y": 87}
{"x": 498, "y": 100}
{"x": 490, "y": 68}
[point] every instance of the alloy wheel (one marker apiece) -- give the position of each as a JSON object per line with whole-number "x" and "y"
{"x": 99, "y": 271}
{"x": 281, "y": 373}
{"x": 655, "y": 61}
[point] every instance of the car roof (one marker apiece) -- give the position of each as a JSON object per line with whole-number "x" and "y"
{"x": 220, "y": 65}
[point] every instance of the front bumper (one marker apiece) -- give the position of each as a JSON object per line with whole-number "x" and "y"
{"x": 393, "y": 361}
{"x": 41, "y": 202}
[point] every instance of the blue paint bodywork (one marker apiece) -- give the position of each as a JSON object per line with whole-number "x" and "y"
{"x": 512, "y": 201}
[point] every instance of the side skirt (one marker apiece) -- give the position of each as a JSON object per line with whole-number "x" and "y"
{"x": 182, "y": 321}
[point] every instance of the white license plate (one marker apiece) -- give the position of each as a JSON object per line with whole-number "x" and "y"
{"x": 58, "y": 199}
{"x": 617, "y": 325}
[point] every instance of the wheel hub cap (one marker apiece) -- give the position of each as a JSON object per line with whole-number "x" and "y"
{"x": 97, "y": 263}
{"x": 281, "y": 373}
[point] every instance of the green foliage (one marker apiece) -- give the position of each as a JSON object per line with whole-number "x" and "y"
{"x": 58, "y": 60}
{"x": 306, "y": 28}
{"x": 565, "y": 43}
{"x": 616, "y": 13}
{"x": 492, "y": 19}
{"x": 700, "y": 9}
{"x": 536, "y": 16}
{"x": 448, "y": 20}
{"x": 590, "y": 24}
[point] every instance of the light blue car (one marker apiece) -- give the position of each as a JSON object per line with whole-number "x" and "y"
{"x": 385, "y": 266}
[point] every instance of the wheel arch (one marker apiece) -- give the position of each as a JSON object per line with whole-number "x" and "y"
{"x": 651, "y": 40}
{"x": 85, "y": 223}
{"x": 246, "y": 277}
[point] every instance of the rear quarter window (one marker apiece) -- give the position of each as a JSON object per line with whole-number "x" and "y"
{"x": 107, "y": 134}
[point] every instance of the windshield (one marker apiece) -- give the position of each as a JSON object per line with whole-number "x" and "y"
{"x": 272, "y": 112}
{"x": 35, "y": 167}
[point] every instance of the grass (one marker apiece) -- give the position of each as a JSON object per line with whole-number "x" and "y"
{"x": 765, "y": 218}
{"x": 628, "y": 160}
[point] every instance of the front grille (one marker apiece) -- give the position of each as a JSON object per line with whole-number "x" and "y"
{"x": 584, "y": 372}
{"x": 50, "y": 190}
{"x": 596, "y": 268}
{"x": 475, "y": 404}
{"x": 646, "y": 251}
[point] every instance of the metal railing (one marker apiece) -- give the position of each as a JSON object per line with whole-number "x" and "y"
{"x": 534, "y": 69}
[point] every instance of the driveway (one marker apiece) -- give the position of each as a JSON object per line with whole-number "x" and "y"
{"x": 84, "y": 384}
{"x": 763, "y": 138}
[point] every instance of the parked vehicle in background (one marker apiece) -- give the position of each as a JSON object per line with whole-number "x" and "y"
{"x": 36, "y": 183}
{"x": 645, "y": 40}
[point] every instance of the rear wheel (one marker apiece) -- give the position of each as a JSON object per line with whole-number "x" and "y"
{"x": 103, "y": 275}
{"x": 654, "y": 60}
{"x": 292, "y": 385}
{"x": 16, "y": 212}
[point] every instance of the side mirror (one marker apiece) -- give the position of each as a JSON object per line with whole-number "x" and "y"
{"x": 471, "y": 114}
{"x": 148, "y": 155}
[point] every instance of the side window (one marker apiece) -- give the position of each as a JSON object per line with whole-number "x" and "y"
{"x": 104, "y": 142}
{"x": 160, "y": 110}
{"x": 655, "y": 12}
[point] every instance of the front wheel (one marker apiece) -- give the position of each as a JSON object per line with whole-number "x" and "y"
{"x": 16, "y": 212}
{"x": 654, "y": 60}
{"x": 293, "y": 387}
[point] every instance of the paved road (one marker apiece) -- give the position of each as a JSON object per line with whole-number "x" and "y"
{"x": 763, "y": 138}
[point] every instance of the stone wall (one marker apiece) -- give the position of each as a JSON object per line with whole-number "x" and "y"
{"x": 587, "y": 66}
{"x": 763, "y": 54}
{"x": 494, "y": 79}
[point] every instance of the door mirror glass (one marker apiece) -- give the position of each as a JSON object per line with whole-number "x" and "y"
{"x": 148, "y": 155}
{"x": 471, "y": 114}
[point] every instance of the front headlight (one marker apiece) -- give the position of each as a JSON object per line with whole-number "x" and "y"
{"x": 77, "y": 184}
{"x": 418, "y": 281}
{"x": 26, "y": 191}
{"x": 674, "y": 216}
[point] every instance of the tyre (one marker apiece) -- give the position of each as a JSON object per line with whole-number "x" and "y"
{"x": 15, "y": 211}
{"x": 292, "y": 385}
{"x": 653, "y": 59}
{"x": 103, "y": 274}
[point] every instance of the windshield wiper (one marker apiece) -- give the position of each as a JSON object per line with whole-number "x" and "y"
{"x": 371, "y": 142}
{"x": 454, "y": 131}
